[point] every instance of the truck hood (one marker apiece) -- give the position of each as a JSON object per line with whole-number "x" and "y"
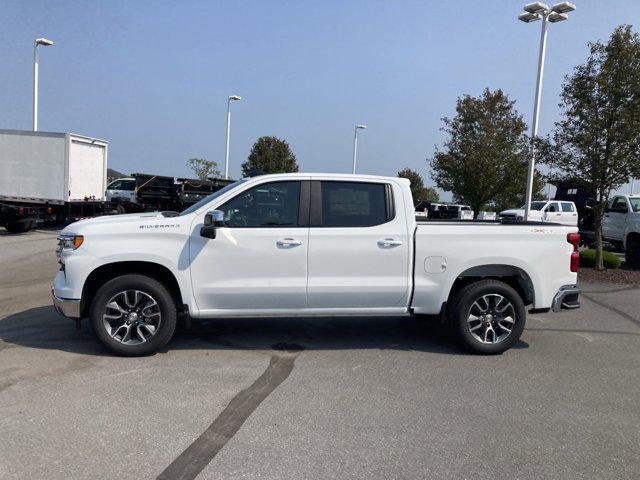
{"x": 85, "y": 225}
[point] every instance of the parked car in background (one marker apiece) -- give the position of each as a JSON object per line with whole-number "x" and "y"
{"x": 564, "y": 213}
{"x": 574, "y": 190}
{"x": 122, "y": 189}
{"x": 308, "y": 245}
{"x": 192, "y": 190}
{"x": 442, "y": 210}
{"x": 487, "y": 216}
{"x": 621, "y": 225}
{"x": 145, "y": 192}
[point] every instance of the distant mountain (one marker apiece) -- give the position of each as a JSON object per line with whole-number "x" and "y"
{"x": 113, "y": 174}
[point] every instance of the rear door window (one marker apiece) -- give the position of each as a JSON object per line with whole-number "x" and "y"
{"x": 567, "y": 207}
{"x": 354, "y": 204}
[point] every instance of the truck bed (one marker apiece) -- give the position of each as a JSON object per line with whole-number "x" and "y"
{"x": 444, "y": 253}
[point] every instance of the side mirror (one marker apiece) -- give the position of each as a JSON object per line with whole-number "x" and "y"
{"x": 212, "y": 220}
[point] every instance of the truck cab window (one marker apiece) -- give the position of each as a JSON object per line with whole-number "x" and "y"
{"x": 619, "y": 205}
{"x": 567, "y": 207}
{"x": 128, "y": 185}
{"x": 354, "y": 204}
{"x": 268, "y": 205}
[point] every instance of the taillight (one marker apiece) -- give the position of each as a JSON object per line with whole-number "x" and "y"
{"x": 21, "y": 211}
{"x": 574, "y": 239}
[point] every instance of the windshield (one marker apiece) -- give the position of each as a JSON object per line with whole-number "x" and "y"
{"x": 213, "y": 196}
{"x": 635, "y": 204}
{"x": 535, "y": 206}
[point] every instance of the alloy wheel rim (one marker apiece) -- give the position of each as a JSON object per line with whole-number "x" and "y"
{"x": 131, "y": 317}
{"x": 491, "y": 318}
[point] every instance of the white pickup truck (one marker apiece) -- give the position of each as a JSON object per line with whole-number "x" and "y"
{"x": 310, "y": 245}
{"x": 562, "y": 212}
{"x": 621, "y": 225}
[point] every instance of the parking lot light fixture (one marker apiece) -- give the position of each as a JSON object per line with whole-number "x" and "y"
{"x": 527, "y": 17}
{"x": 230, "y": 99}
{"x": 532, "y": 12}
{"x": 536, "y": 7}
{"x": 563, "y": 7}
{"x": 36, "y": 57}
{"x": 555, "y": 17}
{"x": 355, "y": 144}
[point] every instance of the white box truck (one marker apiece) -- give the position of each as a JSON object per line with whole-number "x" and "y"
{"x": 50, "y": 177}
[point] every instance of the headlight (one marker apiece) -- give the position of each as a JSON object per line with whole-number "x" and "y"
{"x": 70, "y": 242}
{"x": 67, "y": 242}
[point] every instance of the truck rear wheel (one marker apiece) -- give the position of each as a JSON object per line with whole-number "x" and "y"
{"x": 133, "y": 315}
{"x": 20, "y": 226}
{"x": 632, "y": 253}
{"x": 488, "y": 316}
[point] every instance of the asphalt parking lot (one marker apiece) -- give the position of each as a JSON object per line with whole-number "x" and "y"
{"x": 322, "y": 398}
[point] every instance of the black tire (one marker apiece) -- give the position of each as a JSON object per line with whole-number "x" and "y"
{"x": 120, "y": 209}
{"x": 632, "y": 253}
{"x": 165, "y": 305}
{"x": 491, "y": 290}
{"x": 20, "y": 226}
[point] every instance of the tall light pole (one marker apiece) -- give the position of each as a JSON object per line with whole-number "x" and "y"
{"x": 230, "y": 99}
{"x": 355, "y": 144}
{"x": 533, "y": 12}
{"x": 45, "y": 43}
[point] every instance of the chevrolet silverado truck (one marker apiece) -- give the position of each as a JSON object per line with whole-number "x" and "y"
{"x": 310, "y": 245}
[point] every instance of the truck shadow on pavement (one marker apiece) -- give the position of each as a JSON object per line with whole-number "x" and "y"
{"x": 43, "y": 328}
{"x": 53, "y": 231}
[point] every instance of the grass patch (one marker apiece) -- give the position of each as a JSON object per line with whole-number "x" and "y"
{"x": 588, "y": 259}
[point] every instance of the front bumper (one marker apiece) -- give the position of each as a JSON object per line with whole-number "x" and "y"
{"x": 66, "y": 306}
{"x": 567, "y": 298}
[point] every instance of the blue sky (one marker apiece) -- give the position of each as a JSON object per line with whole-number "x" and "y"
{"x": 152, "y": 77}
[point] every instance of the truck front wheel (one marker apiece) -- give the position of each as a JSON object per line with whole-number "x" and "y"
{"x": 488, "y": 316}
{"x": 133, "y": 315}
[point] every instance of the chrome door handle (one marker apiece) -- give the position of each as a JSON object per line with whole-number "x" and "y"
{"x": 288, "y": 242}
{"x": 389, "y": 242}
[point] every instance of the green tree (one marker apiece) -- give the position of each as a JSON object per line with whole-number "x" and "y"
{"x": 598, "y": 140}
{"x": 203, "y": 168}
{"x": 418, "y": 190}
{"x": 269, "y": 155}
{"x": 485, "y": 157}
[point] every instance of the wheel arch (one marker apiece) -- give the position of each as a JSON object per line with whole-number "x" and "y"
{"x": 512, "y": 275}
{"x": 102, "y": 274}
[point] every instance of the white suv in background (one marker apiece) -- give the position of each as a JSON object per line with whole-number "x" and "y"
{"x": 121, "y": 189}
{"x": 554, "y": 211}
